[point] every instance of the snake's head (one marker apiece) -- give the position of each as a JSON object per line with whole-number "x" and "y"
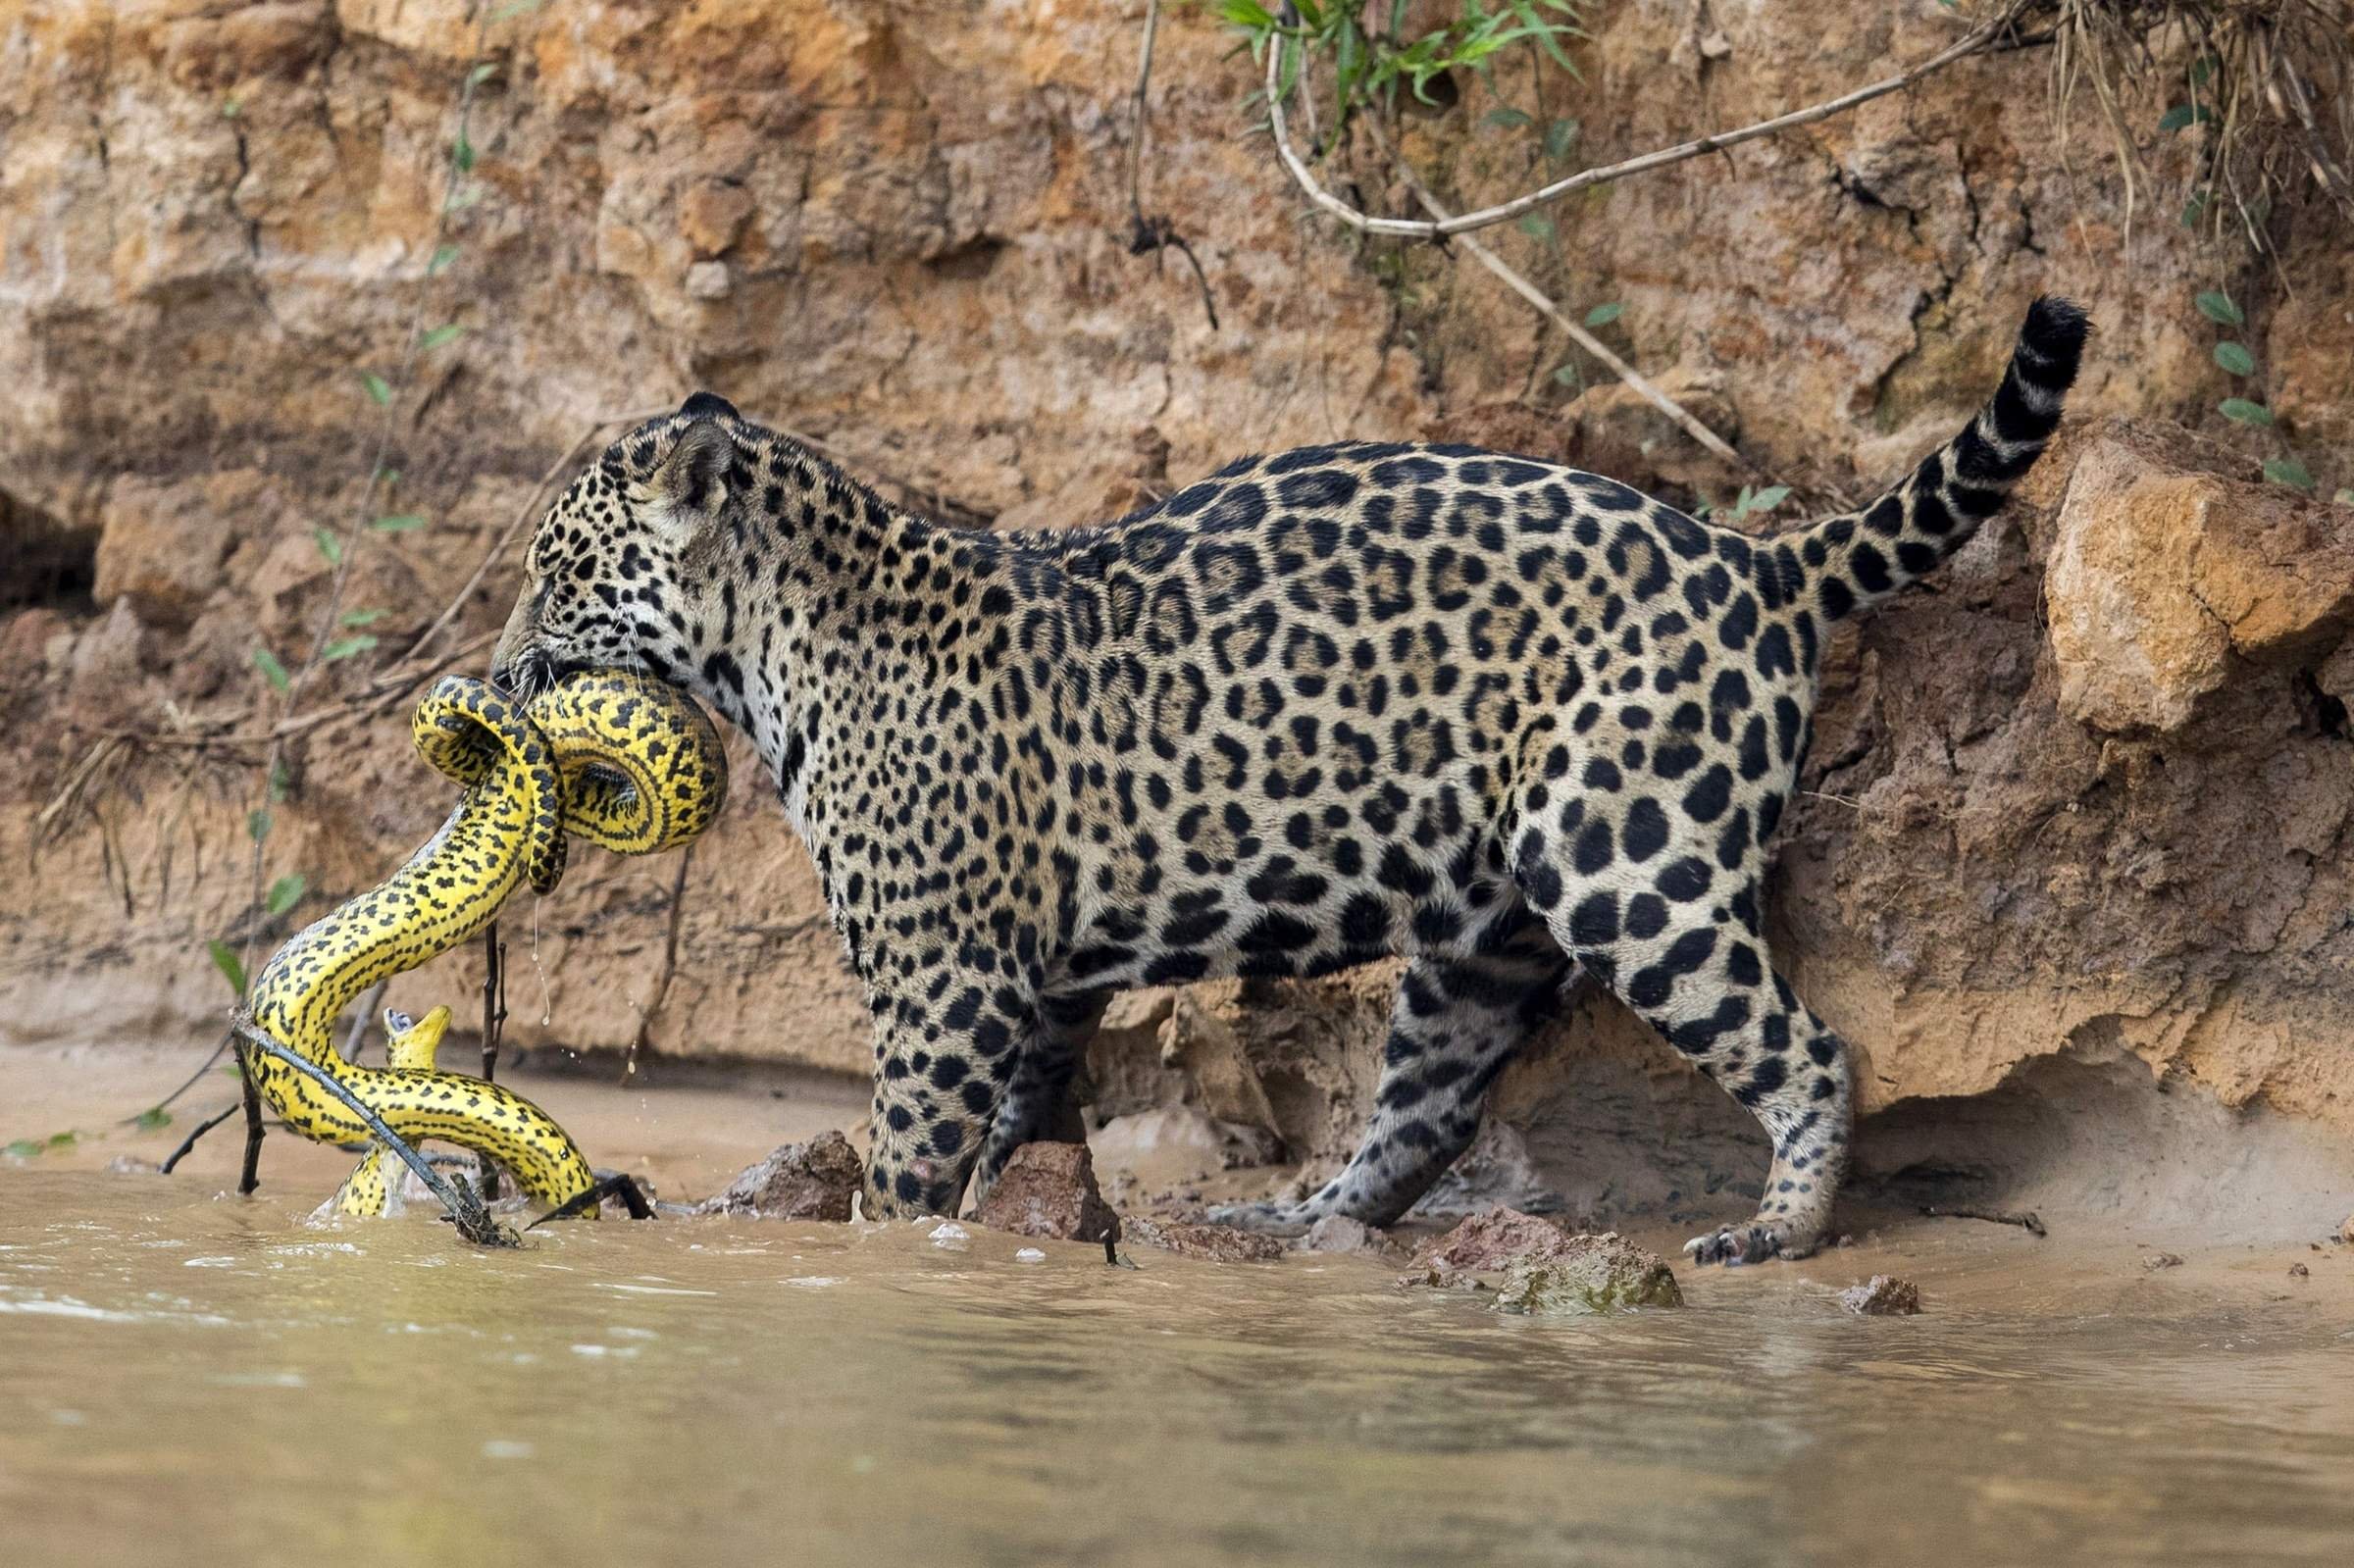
{"x": 412, "y": 1043}
{"x": 626, "y": 569}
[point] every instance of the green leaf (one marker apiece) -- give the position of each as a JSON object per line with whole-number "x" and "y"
{"x": 272, "y": 671}
{"x": 444, "y": 255}
{"x": 226, "y": 960}
{"x": 379, "y": 392}
{"x": 329, "y": 547}
{"x": 2216, "y": 307}
{"x": 1536, "y": 226}
{"x": 461, "y": 153}
{"x": 2288, "y": 471}
{"x": 437, "y": 336}
{"x": 24, "y": 1149}
{"x": 460, "y": 200}
{"x": 2182, "y": 114}
{"x": 359, "y": 618}
{"x": 514, "y": 7}
{"x": 257, "y": 823}
{"x": 1560, "y": 137}
{"x": 2344, "y": 497}
{"x": 1766, "y": 499}
{"x": 153, "y": 1117}
{"x": 280, "y": 783}
{"x": 2245, "y": 412}
{"x": 1507, "y": 118}
{"x": 231, "y": 105}
{"x": 344, "y": 647}
{"x": 64, "y": 1139}
{"x": 2236, "y": 358}
{"x": 1603, "y": 315}
{"x": 1565, "y": 374}
{"x": 398, "y": 523}
{"x": 482, "y": 72}
{"x": 285, "y": 894}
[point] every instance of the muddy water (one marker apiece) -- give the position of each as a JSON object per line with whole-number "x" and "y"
{"x": 206, "y": 1381}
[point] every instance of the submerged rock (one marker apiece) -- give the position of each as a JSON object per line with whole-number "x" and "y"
{"x": 1216, "y": 1242}
{"x": 1883, "y": 1295}
{"x": 1050, "y": 1190}
{"x": 1603, "y": 1273}
{"x": 1337, "y": 1233}
{"x": 812, "y": 1181}
{"x": 1534, "y": 1265}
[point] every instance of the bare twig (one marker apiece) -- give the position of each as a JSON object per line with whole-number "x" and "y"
{"x": 202, "y": 1128}
{"x": 494, "y": 1022}
{"x": 1573, "y": 330}
{"x": 370, "y": 1000}
{"x": 1463, "y": 223}
{"x": 644, "y": 1039}
{"x": 249, "y": 1175}
{"x": 1157, "y": 233}
{"x": 2027, "y": 1219}
{"x": 474, "y": 1222}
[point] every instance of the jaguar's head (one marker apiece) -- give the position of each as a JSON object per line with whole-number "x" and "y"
{"x": 624, "y": 569}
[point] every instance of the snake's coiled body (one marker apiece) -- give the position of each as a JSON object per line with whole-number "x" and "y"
{"x": 621, "y": 760}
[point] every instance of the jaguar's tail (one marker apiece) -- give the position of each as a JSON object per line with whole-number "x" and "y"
{"x": 1856, "y": 559}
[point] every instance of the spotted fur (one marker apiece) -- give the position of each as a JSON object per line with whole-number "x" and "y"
{"x": 1511, "y": 720}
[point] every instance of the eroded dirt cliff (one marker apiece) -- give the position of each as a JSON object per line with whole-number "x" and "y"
{"x": 2080, "y": 815}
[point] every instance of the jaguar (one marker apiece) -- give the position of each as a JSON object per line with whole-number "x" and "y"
{"x": 1511, "y": 721}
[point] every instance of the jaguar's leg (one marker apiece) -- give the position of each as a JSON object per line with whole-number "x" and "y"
{"x": 1456, "y": 1024}
{"x": 1037, "y": 1105}
{"x": 1679, "y": 938}
{"x": 945, "y": 1051}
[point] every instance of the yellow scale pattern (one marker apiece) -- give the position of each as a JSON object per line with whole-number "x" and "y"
{"x": 618, "y": 759}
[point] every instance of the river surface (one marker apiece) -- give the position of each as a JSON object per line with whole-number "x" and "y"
{"x": 191, "y": 1378}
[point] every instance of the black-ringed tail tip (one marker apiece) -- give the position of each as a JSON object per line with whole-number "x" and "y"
{"x": 618, "y": 759}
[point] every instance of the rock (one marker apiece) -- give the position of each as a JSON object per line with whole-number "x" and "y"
{"x": 2163, "y": 1260}
{"x": 1599, "y": 1274}
{"x": 1216, "y": 1242}
{"x": 1029, "y": 1254}
{"x": 131, "y": 1165}
{"x": 1337, "y": 1233}
{"x": 812, "y": 1181}
{"x": 2345, "y": 1231}
{"x": 2161, "y": 575}
{"x": 1490, "y": 1243}
{"x": 2298, "y": 1271}
{"x": 1495, "y": 1170}
{"x": 1050, "y": 1190}
{"x": 1883, "y": 1295}
{"x": 1536, "y": 1265}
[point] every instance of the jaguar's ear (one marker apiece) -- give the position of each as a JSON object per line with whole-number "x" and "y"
{"x": 693, "y": 478}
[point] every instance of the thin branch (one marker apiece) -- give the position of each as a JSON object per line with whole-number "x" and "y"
{"x": 1463, "y": 223}
{"x": 1150, "y": 237}
{"x": 249, "y": 1175}
{"x": 1575, "y": 331}
{"x": 644, "y": 1039}
{"x": 474, "y": 1222}
{"x": 494, "y": 1022}
{"x": 202, "y": 1128}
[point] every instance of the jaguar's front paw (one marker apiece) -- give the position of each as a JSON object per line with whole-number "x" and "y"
{"x": 1752, "y": 1243}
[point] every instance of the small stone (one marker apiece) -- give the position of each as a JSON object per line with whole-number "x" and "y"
{"x": 1488, "y": 1242}
{"x": 1338, "y": 1232}
{"x": 1216, "y": 1242}
{"x": 709, "y": 280}
{"x": 2345, "y": 1231}
{"x": 1050, "y": 1190}
{"x": 131, "y": 1165}
{"x": 1883, "y": 1295}
{"x": 2298, "y": 1271}
{"x": 1029, "y": 1254}
{"x": 2163, "y": 1260}
{"x": 1603, "y": 1274}
{"x": 812, "y": 1181}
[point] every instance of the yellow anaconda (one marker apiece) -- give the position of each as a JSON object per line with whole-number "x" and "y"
{"x": 618, "y": 759}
